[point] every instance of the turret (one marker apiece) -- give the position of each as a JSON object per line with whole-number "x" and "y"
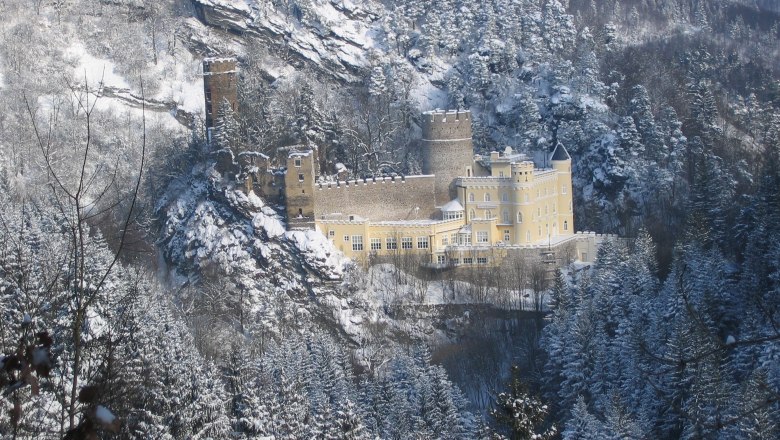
{"x": 561, "y": 162}
{"x": 560, "y": 159}
{"x": 447, "y": 150}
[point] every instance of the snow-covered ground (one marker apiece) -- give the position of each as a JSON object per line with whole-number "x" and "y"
{"x": 177, "y": 85}
{"x": 390, "y": 285}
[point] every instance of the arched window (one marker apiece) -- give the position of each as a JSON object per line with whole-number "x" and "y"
{"x": 528, "y": 236}
{"x": 504, "y": 197}
{"x": 471, "y": 197}
{"x": 565, "y": 225}
{"x": 505, "y": 216}
{"x": 487, "y": 197}
{"x": 471, "y": 215}
{"x": 488, "y": 214}
{"x": 519, "y": 217}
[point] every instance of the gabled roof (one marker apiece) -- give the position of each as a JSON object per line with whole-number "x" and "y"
{"x": 560, "y": 153}
{"x": 452, "y": 206}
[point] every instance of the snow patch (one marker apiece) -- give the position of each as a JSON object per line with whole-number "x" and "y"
{"x": 104, "y": 415}
{"x": 318, "y": 249}
{"x": 94, "y": 71}
{"x": 272, "y": 226}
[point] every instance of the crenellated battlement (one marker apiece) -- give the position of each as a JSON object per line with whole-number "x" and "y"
{"x": 370, "y": 181}
{"x": 218, "y": 65}
{"x": 446, "y": 125}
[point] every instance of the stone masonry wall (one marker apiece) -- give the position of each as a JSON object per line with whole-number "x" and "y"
{"x": 219, "y": 82}
{"x": 380, "y": 200}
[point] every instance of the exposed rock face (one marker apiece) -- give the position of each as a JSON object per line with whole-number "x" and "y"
{"x": 334, "y": 42}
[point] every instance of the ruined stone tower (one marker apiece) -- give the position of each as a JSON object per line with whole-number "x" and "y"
{"x": 220, "y": 82}
{"x": 447, "y": 150}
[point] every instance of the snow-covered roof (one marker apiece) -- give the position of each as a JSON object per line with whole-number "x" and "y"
{"x": 452, "y": 206}
{"x": 408, "y": 223}
{"x": 465, "y": 230}
{"x": 209, "y": 60}
{"x": 253, "y": 154}
{"x": 439, "y": 111}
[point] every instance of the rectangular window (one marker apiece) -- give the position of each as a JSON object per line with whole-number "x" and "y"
{"x": 331, "y": 234}
{"x": 481, "y": 260}
{"x": 376, "y": 244}
{"x": 392, "y": 243}
{"x": 482, "y": 237}
{"x": 422, "y": 242}
{"x": 506, "y": 235}
{"x": 455, "y": 261}
{"x": 297, "y": 162}
{"x": 445, "y": 241}
{"x": 441, "y": 259}
{"x": 357, "y": 242}
{"x": 406, "y": 243}
{"x": 468, "y": 260}
{"x": 467, "y": 239}
{"x": 563, "y": 189}
{"x": 300, "y": 177}
{"x": 346, "y": 238}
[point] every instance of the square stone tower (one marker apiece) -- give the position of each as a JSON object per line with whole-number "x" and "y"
{"x": 299, "y": 189}
{"x": 220, "y": 83}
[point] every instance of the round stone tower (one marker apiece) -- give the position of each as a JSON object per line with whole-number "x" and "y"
{"x": 447, "y": 150}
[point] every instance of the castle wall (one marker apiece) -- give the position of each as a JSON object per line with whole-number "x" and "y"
{"x": 378, "y": 200}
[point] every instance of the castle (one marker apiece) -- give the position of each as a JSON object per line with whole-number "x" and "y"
{"x": 463, "y": 210}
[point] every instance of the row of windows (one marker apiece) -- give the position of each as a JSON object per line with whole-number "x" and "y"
{"x": 505, "y": 196}
{"x": 441, "y": 259}
{"x": 505, "y": 218}
{"x": 390, "y": 242}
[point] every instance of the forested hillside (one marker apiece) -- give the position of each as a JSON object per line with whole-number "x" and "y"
{"x": 144, "y": 295}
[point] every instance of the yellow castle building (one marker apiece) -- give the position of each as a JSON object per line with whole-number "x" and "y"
{"x": 464, "y": 209}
